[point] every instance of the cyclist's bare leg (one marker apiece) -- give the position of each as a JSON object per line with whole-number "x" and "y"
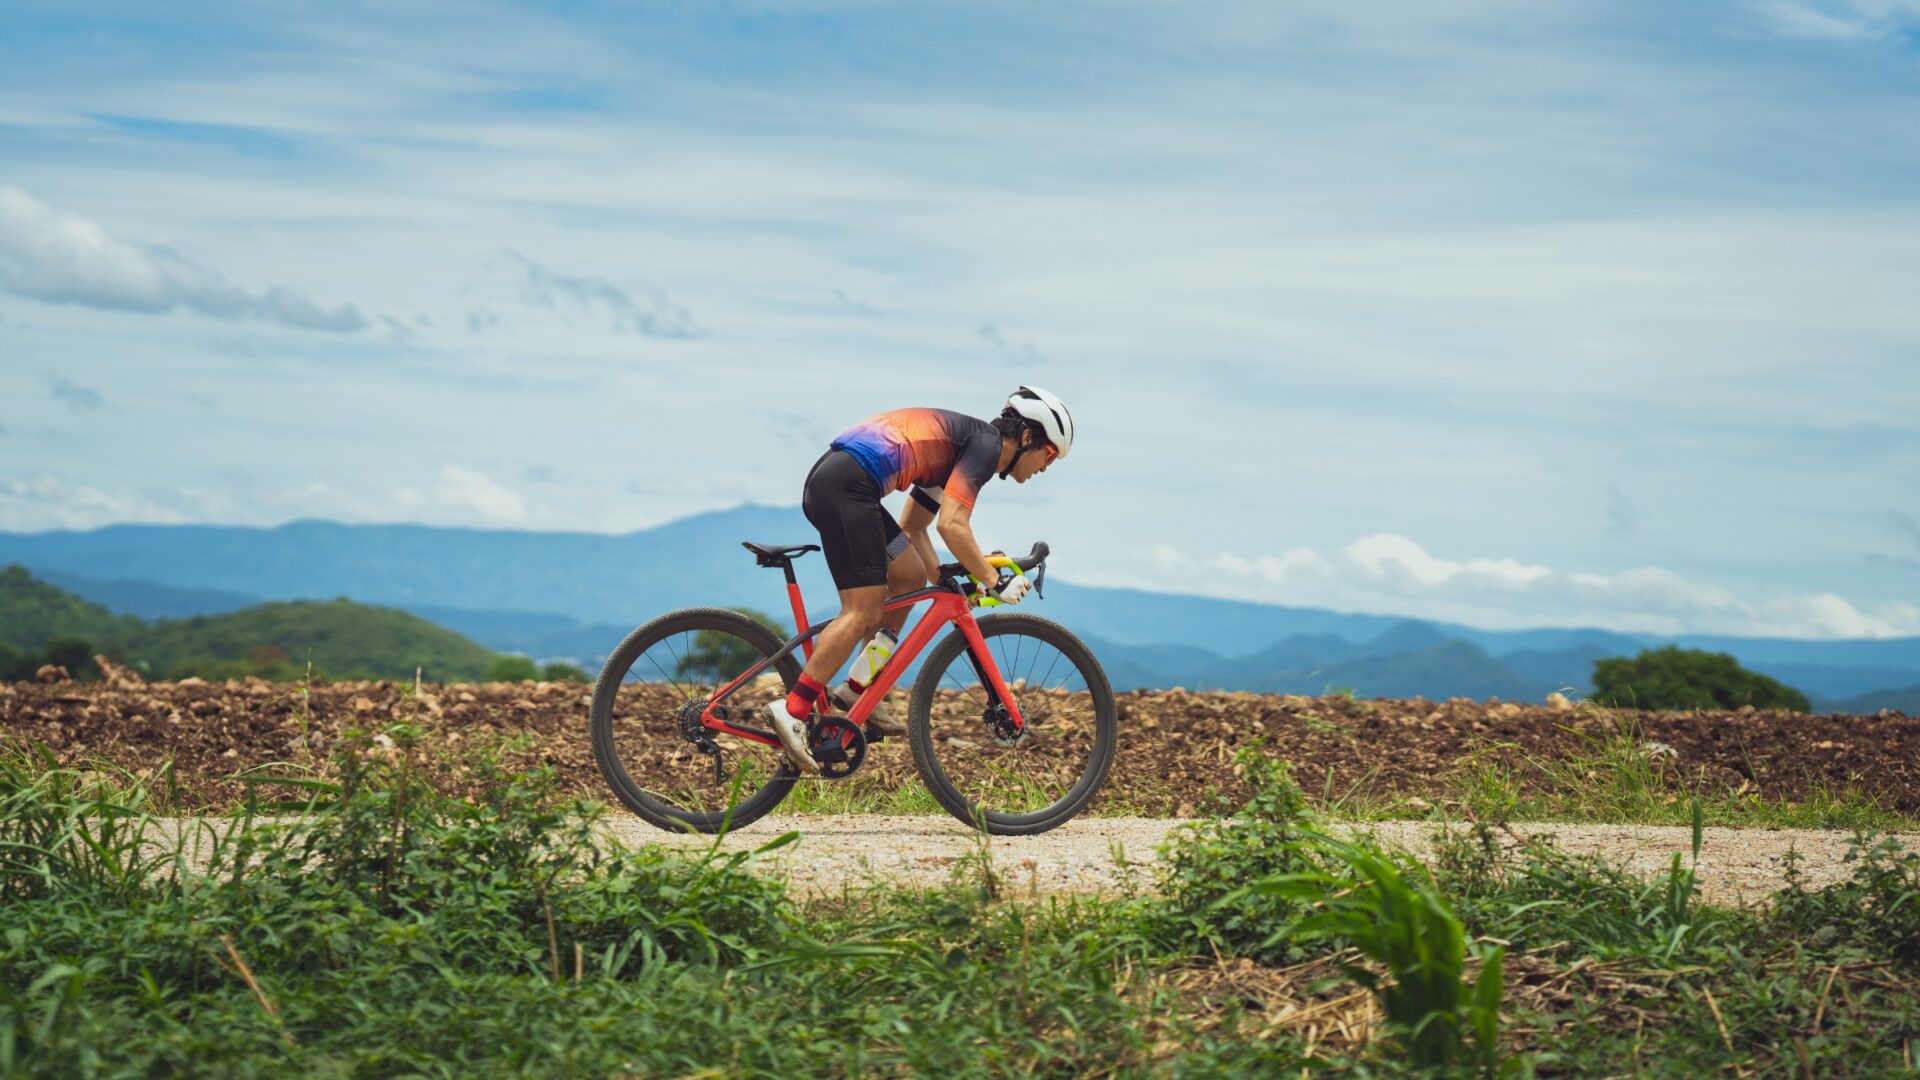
{"x": 905, "y": 574}
{"x": 860, "y": 615}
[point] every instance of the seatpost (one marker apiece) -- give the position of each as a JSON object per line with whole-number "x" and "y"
{"x": 800, "y": 623}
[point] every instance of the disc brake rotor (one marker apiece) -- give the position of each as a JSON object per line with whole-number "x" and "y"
{"x": 1000, "y": 726}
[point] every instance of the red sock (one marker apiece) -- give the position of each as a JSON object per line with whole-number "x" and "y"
{"x": 805, "y": 693}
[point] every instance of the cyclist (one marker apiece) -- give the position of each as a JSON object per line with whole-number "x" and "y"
{"x": 945, "y": 458}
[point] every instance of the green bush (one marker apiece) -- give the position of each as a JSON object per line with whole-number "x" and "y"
{"x": 511, "y": 669}
{"x": 1203, "y": 905}
{"x": 1875, "y": 912}
{"x": 563, "y": 673}
{"x": 1538, "y": 895}
{"x": 1399, "y": 921}
{"x": 15, "y": 666}
{"x": 74, "y": 654}
{"x": 1674, "y": 678}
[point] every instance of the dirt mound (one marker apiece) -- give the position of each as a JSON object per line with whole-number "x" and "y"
{"x": 1176, "y": 748}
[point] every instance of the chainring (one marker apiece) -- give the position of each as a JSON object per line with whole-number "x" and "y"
{"x": 837, "y": 745}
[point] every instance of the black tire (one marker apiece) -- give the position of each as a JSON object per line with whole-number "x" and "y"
{"x": 654, "y": 770}
{"x": 1072, "y": 728}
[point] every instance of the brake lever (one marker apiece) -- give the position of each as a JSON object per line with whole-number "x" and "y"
{"x": 1039, "y": 579}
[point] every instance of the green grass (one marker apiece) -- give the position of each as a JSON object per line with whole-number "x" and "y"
{"x": 858, "y": 794}
{"x": 1614, "y": 778}
{"x": 390, "y": 930}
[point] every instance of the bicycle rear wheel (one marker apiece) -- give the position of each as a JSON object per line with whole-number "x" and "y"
{"x": 967, "y": 755}
{"x": 645, "y": 721}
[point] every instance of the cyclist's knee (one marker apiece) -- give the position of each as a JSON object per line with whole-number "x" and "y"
{"x": 868, "y": 620}
{"x": 863, "y": 609}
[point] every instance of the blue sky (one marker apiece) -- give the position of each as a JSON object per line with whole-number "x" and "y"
{"x": 1506, "y": 313}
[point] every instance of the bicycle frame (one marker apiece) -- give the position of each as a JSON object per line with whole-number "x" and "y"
{"x": 950, "y": 607}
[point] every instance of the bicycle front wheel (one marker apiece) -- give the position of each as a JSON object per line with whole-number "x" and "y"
{"x": 646, "y": 721}
{"x": 970, "y": 760}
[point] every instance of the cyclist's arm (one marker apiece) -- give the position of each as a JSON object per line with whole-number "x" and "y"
{"x": 914, "y": 521}
{"x": 956, "y": 528}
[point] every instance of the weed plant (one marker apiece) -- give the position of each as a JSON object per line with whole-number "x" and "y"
{"x": 1203, "y": 904}
{"x": 1875, "y": 912}
{"x": 1402, "y": 924}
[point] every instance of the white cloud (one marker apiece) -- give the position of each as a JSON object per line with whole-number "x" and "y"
{"x": 1387, "y": 556}
{"x": 1393, "y": 574}
{"x": 467, "y": 494}
{"x": 63, "y": 258}
{"x": 46, "y": 501}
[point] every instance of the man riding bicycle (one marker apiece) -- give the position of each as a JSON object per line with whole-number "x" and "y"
{"x": 945, "y": 458}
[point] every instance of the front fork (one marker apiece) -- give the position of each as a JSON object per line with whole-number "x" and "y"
{"x": 989, "y": 674}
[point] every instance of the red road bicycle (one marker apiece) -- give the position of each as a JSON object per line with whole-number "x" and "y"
{"x": 1011, "y": 719}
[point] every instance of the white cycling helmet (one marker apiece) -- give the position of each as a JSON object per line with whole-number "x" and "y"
{"x": 1046, "y": 412}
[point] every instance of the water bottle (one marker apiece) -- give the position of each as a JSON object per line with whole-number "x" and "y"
{"x": 868, "y": 661}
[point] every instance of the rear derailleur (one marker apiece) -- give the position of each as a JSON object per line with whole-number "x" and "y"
{"x": 695, "y": 731}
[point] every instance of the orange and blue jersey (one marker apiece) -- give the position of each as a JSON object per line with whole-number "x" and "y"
{"x": 938, "y": 449}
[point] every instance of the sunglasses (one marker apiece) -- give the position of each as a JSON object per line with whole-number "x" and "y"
{"x": 1051, "y": 451}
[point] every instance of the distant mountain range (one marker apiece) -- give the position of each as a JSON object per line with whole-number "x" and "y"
{"x": 572, "y": 596}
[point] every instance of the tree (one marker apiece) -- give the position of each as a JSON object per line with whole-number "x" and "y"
{"x": 15, "y": 666}
{"x": 558, "y": 672}
{"x": 715, "y": 657}
{"x": 511, "y": 669}
{"x": 74, "y": 654}
{"x": 1674, "y": 678}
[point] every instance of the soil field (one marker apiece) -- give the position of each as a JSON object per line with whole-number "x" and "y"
{"x": 1176, "y": 748}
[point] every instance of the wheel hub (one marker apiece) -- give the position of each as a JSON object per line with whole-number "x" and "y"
{"x": 691, "y": 727}
{"x": 1000, "y": 726}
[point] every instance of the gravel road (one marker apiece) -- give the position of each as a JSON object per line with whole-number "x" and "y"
{"x": 1095, "y": 855}
{"x": 836, "y": 853}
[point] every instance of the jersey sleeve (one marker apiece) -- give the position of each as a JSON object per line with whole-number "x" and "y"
{"x": 973, "y": 467}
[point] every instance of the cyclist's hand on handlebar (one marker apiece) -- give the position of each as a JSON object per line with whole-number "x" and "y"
{"x": 1010, "y": 588}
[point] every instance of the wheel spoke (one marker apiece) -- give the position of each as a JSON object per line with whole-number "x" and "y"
{"x": 1065, "y": 745}
{"x": 642, "y": 735}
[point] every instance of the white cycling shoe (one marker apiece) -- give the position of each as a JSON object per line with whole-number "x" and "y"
{"x": 880, "y": 722}
{"x": 793, "y": 736}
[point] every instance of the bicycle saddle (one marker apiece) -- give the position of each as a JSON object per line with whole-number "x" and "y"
{"x": 774, "y": 551}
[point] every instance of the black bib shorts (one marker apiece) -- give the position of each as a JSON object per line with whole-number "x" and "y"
{"x": 857, "y": 535}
